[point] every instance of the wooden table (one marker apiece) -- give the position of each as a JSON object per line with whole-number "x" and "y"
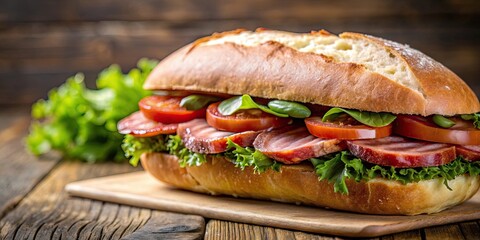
{"x": 34, "y": 205}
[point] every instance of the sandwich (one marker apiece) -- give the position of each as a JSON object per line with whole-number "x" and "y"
{"x": 350, "y": 122}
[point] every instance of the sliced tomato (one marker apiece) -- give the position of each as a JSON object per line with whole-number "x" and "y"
{"x": 462, "y": 133}
{"x": 138, "y": 125}
{"x": 346, "y": 130}
{"x": 244, "y": 120}
{"x": 166, "y": 109}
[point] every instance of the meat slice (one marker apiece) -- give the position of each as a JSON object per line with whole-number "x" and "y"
{"x": 200, "y": 137}
{"x": 138, "y": 125}
{"x": 469, "y": 152}
{"x": 294, "y": 144}
{"x": 402, "y": 152}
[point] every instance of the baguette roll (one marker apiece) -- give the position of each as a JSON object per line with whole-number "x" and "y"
{"x": 352, "y": 71}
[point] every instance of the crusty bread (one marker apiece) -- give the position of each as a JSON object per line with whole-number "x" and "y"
{"x": 299, "y": 184}
{"x": 351, "y": 70}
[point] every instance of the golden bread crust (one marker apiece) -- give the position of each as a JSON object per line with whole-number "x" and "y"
{"x": 273, "y": 70}
{"x": 299, "y": 184}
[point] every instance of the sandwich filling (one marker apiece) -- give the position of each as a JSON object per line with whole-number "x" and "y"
{"x": 340, "y": 143}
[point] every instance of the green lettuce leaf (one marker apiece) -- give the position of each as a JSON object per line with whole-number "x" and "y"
{"x": 242, "y": 157}
{"x": 340, "y": 166}
{"x": 134, "y": 147}
{"x": 247, "y": 157}
{"x": 81, "y": 123}
{"x": 187, "y": 158}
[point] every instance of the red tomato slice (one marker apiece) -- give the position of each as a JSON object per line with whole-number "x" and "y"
{"x": 166, "y": 109}
{"x": 462, "y": 133}
{"x": 139, "y": 126}
{"x": 345, "y": 131}
{"x": 243, "y": 120}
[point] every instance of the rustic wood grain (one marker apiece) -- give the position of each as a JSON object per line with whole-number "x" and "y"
{"x": 187, "y": 10}
{"x": 414, "y": 234}
{"x": 35, "y": 58}
{"x": 470, "y": 230}
{"x": 14, "y": 185}
{"x": 170, "y": 226}
{"x": 47, "y": 212}
{"x": 444, "y": 232}
{"x": 217, "y": 229}
{"x": 153, "y": 194}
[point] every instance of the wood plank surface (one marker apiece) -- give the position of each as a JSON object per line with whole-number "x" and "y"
{"x": 14, "y": 185}
{"x": 35, "y": 58}
{"x": 218, "y": 229}
{"x": 187, "y": 10}
{"x": 47, "y": 212}
{"x": 157, "y": 195}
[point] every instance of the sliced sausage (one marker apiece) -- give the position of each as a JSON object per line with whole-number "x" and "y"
{"x": 200, "y": 137}
{"x": 469, "y": 152}
{"x": 402, "y": 152}
{"x": 138, "y": 125}
{"x": 294, "y": 144}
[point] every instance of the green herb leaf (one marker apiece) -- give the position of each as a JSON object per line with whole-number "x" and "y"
{"x": 246, "y": 157}
{"x": 371, "y": 119}
{"x": 134, "y": 147}
{"x": 195, "y": 102}
{"x": 234, "y": 104}
{"x": 443, "y": 121}
{"x": 475, "y": 117}
{"x": 242, "y": 157}
{"x": 187, "y": 158}
{"x": 80, "y": 122}
{"x": 292, "y": 109}
{"x": 340, "y": 166}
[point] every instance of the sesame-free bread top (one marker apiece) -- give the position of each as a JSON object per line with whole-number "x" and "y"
{"x": 351, "y": 70}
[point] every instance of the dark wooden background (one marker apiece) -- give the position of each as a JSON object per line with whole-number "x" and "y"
{"x": 43, "y": 42}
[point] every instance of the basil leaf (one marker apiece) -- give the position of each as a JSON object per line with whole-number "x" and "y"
{"x": 371, "y": 119}
{"x": 332, "y": 114}
{"x": 475, "y": 117}
{"x": 234, "y": 104}
{"x": 195, "y": 102}
{"x": 443, "y": 121}
{"x": 292, "y": 109}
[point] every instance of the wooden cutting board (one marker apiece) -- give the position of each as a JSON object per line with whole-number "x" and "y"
{"x": 142, "y": 190}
